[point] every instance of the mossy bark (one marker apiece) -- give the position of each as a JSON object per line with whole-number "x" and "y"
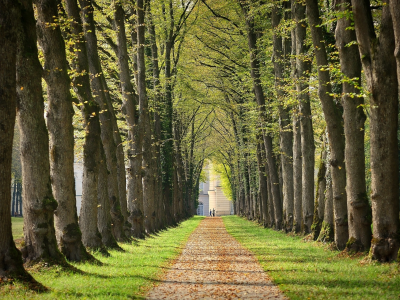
{"x": 59, "y": 122}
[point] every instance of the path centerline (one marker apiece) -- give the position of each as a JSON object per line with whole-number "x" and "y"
{"x": 213, "y": 265}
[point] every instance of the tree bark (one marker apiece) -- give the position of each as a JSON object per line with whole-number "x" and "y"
{"x": 303, "y": 69}
{"x": 91, "y": 237}
{"x": 129, "y": 98}
{"x": 39, "y": 203}
{"x": 297, "y": 175}
{"x": 285, "y": 132}
{"x": 11, "y": 265}
{"x": 359, "y": 210}
{"x": 326, "y": 234}
{"x": 106, "y": 119}
{"x": 59, "y": 122}
{"x": 319, "y": 196}
{"x": 334, "y": 126}
{"x": 379, "y": 64}
{"x": 260, "y": 98}
{"x": 145, "y": 126}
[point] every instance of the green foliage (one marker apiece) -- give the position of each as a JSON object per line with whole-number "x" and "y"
{"x": 124, "y": 275}
{"x": 308, "y": 270}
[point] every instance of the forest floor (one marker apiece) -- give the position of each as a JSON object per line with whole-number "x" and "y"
{"x": 213, "y": 265}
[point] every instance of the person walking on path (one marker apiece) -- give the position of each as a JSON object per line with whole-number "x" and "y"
{"x": 210, "y": 213}
{"x": 213, "y": 212}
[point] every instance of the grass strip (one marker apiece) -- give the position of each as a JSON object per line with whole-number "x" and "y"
{"x": 17, "y": 227}
{"x": 128, "y": 275}
{"x": 308, "y": 270}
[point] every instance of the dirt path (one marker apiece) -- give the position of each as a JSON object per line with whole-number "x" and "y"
{"x": 214, "y": 265}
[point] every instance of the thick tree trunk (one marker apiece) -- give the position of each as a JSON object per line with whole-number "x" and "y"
{"x": 59, "y": 122}
{"x": 379, "y": 64}
{"x": 357, "y": 200}
{"x": 334, "y": 126}
{"x": 319, "y": 205}
{"x": 39, "y": 203}
{"x": 326, "y": 234}
{"x": 297, "y": 175}
{"x": 11, "y": 266}
{"x": 281, "y": 55}
{"x": 303, "y": 68}
{"x": 145, "y": 126}
{"x": 128, "y": 108}
{"x": 104, "y": 221}
{"x": 91, "y": 237}
{"x": 106, "y": 119}
{"x": 395, "y": 12}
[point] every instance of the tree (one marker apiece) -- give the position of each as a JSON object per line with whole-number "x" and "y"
{"x": 379, "y": 64}
{"x": 39, "y": 203}
{"x": 334, "y": 126}
{"x": 359, "y": 211}
{"x": 59, "y": 122}
{"x": 11, "y": 265}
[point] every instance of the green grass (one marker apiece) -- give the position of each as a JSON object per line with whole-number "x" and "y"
{"x": 126, "y": 275}
{"x": 17, "y": 228}
{"x": 307, "y": 270}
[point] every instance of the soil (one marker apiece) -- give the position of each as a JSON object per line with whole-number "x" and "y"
{"x": 213, "y": 265}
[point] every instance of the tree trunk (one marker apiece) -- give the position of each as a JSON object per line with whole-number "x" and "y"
{"x": 379, "y": 64}
{"x": 106, "y": 119}
{"x": 144, "y": 125}
{"x": 357, "y": 200}
{"x": 303, "y": 68}
{"x": 334, "y": 126}
{"x": 395, "y": 13}
{"x": 327, "y": 234}
{"x": 104, "y": 221}
{"x": 319, "y": 196}
{"x": 286, "y": 134}
{"x": 129, "y": 98}
{"x": 297, "y": 175}
{"x": 59, "y": 122}
{"x": 91, "y": 237}
{"x": 40, "y": 238}
{"x": 11, "y": 266}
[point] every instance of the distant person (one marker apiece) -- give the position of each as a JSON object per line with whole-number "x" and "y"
{"x": 210, "y": 213}
{"x": 213, "y": 212}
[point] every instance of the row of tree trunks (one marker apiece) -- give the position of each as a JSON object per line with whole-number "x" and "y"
{"x": 59, "y": 122}
{"x": 93, "y": 147}
{"x": 106, "y": 120}
{"x": 334, "y": 127}
{"x": 39, "y": 203}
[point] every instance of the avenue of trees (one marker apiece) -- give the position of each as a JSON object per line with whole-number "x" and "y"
{"x": 295, "y": 102}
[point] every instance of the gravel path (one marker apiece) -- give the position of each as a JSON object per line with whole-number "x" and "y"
{"x": 214, "y": 265}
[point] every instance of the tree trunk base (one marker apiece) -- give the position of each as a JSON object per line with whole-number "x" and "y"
{"x": 12, "y": 269}
{"x": 385, "y": 249}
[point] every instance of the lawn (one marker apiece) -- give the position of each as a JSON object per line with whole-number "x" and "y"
{"x": 308, "y": 270}
{"x": 17, "y": 228}
{"x": 127, "y": 275}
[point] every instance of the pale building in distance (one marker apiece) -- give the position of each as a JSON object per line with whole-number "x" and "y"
{"x": 212, "y": 197}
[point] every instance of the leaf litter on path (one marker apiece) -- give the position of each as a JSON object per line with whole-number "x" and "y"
{"x": 213, "y": 265}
